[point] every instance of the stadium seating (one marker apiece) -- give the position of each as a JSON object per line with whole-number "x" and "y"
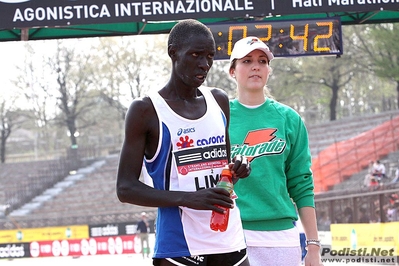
{"x": 340, "y": 160}
{"x": 89, "y": 197}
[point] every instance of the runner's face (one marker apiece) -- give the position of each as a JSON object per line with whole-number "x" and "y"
{"x": 194, "y": 59}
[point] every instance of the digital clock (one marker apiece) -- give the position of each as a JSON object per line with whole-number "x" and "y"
{"x": 284, "y": 38}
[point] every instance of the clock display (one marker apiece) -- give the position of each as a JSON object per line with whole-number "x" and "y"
{"x": 284, "y": 38}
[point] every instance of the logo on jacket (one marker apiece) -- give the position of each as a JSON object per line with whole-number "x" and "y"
{"x": 200, "y": 158}
{"x": 185, "y": 142}
{"x": 211, "y": 140}
{"x": 185, "y": 130}
{"x": 258, "y": 143}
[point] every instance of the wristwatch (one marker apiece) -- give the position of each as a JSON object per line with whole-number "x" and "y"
{"x": 315, "y": 242}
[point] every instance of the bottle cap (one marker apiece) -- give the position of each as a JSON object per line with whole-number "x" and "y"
{"x": 226, "y": 171}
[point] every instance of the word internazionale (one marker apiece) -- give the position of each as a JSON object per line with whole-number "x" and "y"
{"x": 134, "y": 9}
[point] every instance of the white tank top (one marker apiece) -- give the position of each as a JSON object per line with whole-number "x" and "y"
{"x": 190, "y": 156}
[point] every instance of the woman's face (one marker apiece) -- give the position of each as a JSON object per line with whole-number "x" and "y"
{"x": 252, "y": 71}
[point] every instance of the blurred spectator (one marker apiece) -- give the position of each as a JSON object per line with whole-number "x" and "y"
{"x": 4, "y": 210}
{"x": 371, "y": 166}
{"x": 348, "y": 215}
{"x": 364, "y": 218}
{"x": 323, "y": 223}
{"x": 143, "y": 230}
{"x": 392, "y": 211}
{"x": 393, "y": 198}
{"x": 379, "y": 170}
{"x": 371, "y": 182}
{"x": 392, "y": 214}
{"x": 396, "y": 177}
{"x": 377, "y": 216}
{"x": 367, "y": 179}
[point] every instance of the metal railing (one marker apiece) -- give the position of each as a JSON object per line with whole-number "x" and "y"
{"x": 342, "y": 159}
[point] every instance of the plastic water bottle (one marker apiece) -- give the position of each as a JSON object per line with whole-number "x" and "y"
{"x": 220, "y": 221}
{"x": 353, "y": 239}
